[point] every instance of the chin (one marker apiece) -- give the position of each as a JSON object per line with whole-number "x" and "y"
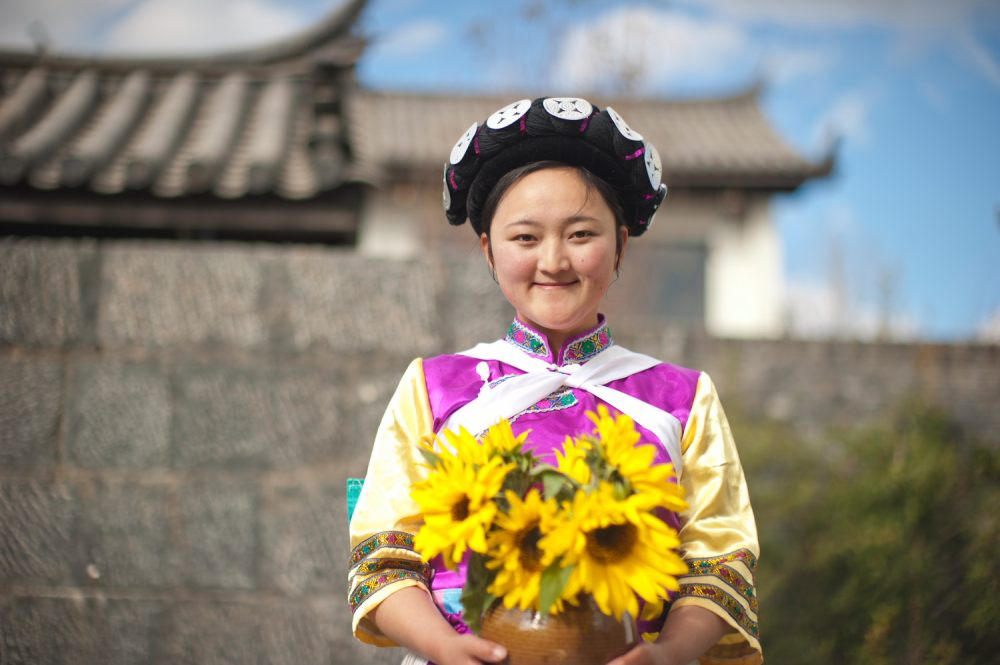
{"x": 563, "y": 325}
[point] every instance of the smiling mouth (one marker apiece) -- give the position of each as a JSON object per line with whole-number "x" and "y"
{"x": 554, "y": 285}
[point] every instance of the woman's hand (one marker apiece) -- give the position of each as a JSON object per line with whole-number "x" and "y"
{"x": 469, "y": 649}
{"x": 410, "y": 619}
{"x": 688, "y": 632}
{"x": 645, "y": 653}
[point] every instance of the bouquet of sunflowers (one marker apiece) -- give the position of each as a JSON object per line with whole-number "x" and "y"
{"x": 541, "y": 536}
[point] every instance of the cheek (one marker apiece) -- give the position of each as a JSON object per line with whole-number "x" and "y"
{"x": 598, "y": 263}
{"x": 512, "y": 265}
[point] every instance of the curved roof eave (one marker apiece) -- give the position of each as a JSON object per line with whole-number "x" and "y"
{"x": 333, "y": 32}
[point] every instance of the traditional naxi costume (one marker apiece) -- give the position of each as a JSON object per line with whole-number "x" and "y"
{"x": 549, "y": 391}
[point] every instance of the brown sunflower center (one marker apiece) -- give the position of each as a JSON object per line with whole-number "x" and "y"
{"x": 460, "y": 511}
{"x": 611, "y": 543}
{"x": 531, "y": 555}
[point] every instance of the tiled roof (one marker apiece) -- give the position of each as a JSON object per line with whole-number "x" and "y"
{"x": 256, "y": 121}
{"x": 286, "y": 120}
{"x": 725, "y": 142}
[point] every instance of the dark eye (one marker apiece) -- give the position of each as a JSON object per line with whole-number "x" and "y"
{"x": 582, "y": 233}
{"x": 524, "y": 237}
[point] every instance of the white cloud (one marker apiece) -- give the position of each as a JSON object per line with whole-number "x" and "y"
{"x": 66, "y": 22}
{"x": 783, "y": 64}
{"x": 820, "y": 311}
{"x": 917, "y": 24}
{"x": 989, "y": 330}
{"x": 195, "y": 25}
{"x": 848, "y": 118}
{"x": 981, "y": 57}
{"x": 935, "y": 96}
{"x": 145, "y": 26}
{"x": 640, "y": 48}
{"x": 412, "y": 39}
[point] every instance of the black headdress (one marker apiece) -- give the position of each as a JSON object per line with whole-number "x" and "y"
{"x": 563, "y": 129}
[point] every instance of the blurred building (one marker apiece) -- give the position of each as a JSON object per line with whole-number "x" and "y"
{"x": 180, "y": 406}
{"x": 279, "y": 143}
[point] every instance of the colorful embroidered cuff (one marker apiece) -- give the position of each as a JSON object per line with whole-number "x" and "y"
{"x": 375, "y": 583}
{"x": 727, "y": 583}
{"x": 382, "y": 540}
{"x": 383, "y": 564}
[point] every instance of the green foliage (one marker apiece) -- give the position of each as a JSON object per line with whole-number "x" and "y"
{"x": 878, "y": 545}
{"x": 475, "y": 599}
{"x": 554, "y": 580}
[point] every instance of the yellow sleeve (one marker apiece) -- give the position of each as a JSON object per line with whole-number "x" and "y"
{"x": 718, "y": 534}
{"x": 385, "y": 518}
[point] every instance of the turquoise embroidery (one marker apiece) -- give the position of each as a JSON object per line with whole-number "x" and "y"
{"x": 557, "y": 401}
{"x": 527, "y": 340}
{"x": 583, "y": 349}
{"x": 577, "y": 351}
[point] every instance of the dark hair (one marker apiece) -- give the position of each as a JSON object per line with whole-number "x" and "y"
{"x": 568, "y": 130}
{"x": 590, "y": 181}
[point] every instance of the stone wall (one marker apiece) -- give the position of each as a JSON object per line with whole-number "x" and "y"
{"x": 177, "y": 422}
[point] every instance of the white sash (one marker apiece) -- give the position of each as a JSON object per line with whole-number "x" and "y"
{"x": 516, "y": 394}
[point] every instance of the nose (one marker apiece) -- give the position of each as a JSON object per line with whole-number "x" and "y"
{"x": 553, "y": 257}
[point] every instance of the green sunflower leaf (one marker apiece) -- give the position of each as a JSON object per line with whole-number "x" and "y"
{"x": 552, "y": 484}
{"x": 430, "y": 457}
{"x": 553, "y": 582}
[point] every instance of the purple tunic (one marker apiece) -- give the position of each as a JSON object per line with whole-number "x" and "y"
{"x": 453, "y": 381}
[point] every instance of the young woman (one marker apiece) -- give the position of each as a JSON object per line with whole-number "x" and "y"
{"x": 555, "y": 188}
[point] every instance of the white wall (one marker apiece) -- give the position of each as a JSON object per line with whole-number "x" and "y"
{"x": 744, "y": 287}
{"x": 389, "y": 228}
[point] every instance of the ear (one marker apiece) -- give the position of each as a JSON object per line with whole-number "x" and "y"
{"x": 623, "y": 232}
{"x": 484, "y": 245}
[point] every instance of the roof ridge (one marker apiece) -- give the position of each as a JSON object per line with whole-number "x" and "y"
{"x": 750, "y": 93}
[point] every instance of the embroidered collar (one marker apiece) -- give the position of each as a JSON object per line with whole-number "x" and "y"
{"x": 578, "y": 349}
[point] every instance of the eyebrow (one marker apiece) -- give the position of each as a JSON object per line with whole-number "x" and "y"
{"x": 566, "y": 222}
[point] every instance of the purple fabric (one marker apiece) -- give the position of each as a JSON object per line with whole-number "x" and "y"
{"x": 452, "y": 381}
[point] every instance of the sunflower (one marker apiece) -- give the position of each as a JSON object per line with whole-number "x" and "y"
{"x": 618, "y": 549}
{"x": 572, "y": 460}
{"x": 463, "y": 448}
{"x": 500, "y": 439}
{"x": 514, "y": 551}
{"x": 635, "y": 463}
{"x": 456, "y": 501}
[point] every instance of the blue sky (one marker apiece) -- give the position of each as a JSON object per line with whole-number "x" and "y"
{"x": 910, "y": 224}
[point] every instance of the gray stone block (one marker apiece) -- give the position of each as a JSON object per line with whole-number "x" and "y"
{"x": 217, "y": 545}
{"x": 182, "y": 295}
{"x": 304, "y": 537}
{"x": 126, "y": 534}
{"x": 42, "y": 302}
{"x": 120, "y": 417}
{"x": 37, "y": 542}
{"x": 254, "y": 418}
{"x": 346, "y": 303}
{"x": 267, "y": 632}
{"x": 366, "y": 394}
{"x": 474, "y": 308}
{"x": 30, "y": 399}
{"x": 346, "y": 649}
{"x": 76, "y": 631}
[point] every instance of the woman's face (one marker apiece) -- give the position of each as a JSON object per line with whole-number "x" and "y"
{"x": 553, "y": 249}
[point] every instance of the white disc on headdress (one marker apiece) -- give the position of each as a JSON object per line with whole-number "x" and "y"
{"x": 458, "y": 152}
{"x": 568, "y": 108}
{"x": 654, "y": 169}
{"x": 661, "y": 194}
{"x": 622, "y": 126}
{"x": 446, "y": 196}
{"x": 509, "y": 114}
